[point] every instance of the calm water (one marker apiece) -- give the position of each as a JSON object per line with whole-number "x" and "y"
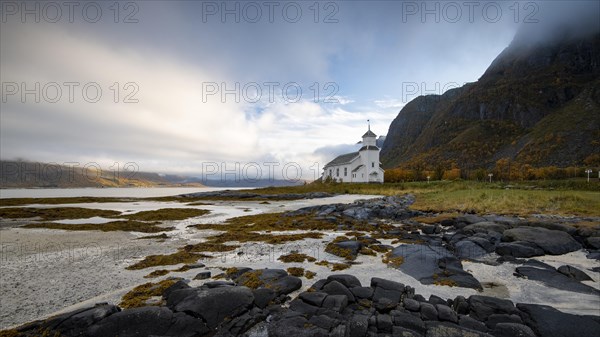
{"x": 142, "y": 192}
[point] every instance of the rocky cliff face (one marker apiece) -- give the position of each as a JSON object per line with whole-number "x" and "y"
{"x": 538, "y": 103}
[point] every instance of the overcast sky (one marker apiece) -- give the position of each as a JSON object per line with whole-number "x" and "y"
{"x": 174, "y": 60}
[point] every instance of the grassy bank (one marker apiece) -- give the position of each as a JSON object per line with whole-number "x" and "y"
{"x": 560, "y": 197}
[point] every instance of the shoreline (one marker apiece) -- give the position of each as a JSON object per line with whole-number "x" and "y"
{"x": 77, "y": 283}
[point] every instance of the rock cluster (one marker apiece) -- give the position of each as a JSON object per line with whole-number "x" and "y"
{"x": 245, "y": 195}
{"x": 515, "y": 238}
{"x": 392, "y": 208}
{"x": 337, "y": 306}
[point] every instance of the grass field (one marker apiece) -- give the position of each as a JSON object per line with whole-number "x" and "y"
{"x": 562, "y": 197}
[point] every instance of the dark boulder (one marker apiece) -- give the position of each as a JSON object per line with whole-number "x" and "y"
{"x": 494, "y": 319}
{"x": 428, "y": 229}
{"x": 146, "y": 321}
{"x": 263, "y": 296}
{"x": 460, "y": 305}
{"x": 323, "y": 321}
{"x": 593, "y": 255}
{"x": 385, "y": 305}
{"x": 552, "y": 278}
{"x": 377, "y": 282}
{"x": 551, "y": 225}
{"x": 593, "y": 242}
{"x": 302, "y": 307}
{"x": 486, "y": 241}
{"x": 336, "y": 288}
{"x": 240, "y": 324}
{"x": 548, "y": 322}
{"x": 520, "y": 249}
{"x": 512, "y": 330}
{"x": 340, "y": 248}
{"x": 176, "y": 286}
{"x": 445, "y": 329}
{"x": 445, "y": 313}
{"x": 552, "y": 242}
{"x": 218, "y": 284}
{"x": 428, "y": 312}
{"x": 399, "y": 331}
{"x": 467, "y": 249}
{"x": 336, "y": 302}
{"x": 574, "y": 273}
{"x": 362, "y": 292}
{"x": 433, "y": 299}
{"x": 202, "y": 275}
{"x": 349, "y": 281}
{"x": 358, "y": 213}
{"x": 73, "y": 323}
{"x": 276, "y": 279}
{"x": 285, "y": 285}
{"x": 318, "y": 285}
{"x": 411, "y": 305}
{"x": 384, "y": 323}
{"x": 385, "y": 289}
{"x": 485, "y": 227}
{"x": 231, "y": 302}
{"x": 471, "y": 323}
{"x": 427, "y": 263}
{"x": 295, "y": 326}
{"x": 481, "y": 307}
{"x": 358, "y": 325}
{"x": 235, "y": 273}
{"x": 313, "y": 298}
{"x": 408, "y": 321}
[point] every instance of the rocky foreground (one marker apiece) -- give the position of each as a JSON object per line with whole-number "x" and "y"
{"x": 337, "y": 306}
{"x": 269, "y": 302}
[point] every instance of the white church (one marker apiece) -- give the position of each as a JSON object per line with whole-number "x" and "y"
{"x": 362, "y": 166}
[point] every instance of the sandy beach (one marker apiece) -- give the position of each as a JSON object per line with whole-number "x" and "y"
{"x": 45, "y": 272}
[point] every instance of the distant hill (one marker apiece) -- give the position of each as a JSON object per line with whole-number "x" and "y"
{"x": 538, "y": 103}
{"x": 25, "y": 174}
{"x": 28, "y": 174}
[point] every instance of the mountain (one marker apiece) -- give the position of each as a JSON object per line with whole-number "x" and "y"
{"x": 380, "y": 140}
{"x": 538, "y": 103}
{"x": 27, "y": 174}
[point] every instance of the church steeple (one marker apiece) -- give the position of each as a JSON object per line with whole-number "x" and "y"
{"x": 369, "y": 133}
{"x": 369, "y": 138}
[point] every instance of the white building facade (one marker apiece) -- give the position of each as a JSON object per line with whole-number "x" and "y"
{"x": 362, "y": 166}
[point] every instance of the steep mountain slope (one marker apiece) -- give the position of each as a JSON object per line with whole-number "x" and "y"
{"x": 538, "y": 103}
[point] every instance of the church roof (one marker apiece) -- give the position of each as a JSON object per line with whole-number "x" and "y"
{"x": 343, "y": 159}
{"x": 369, "y": 134}
{"x": 369, "y": 147}
{"x": 358, "y": 167}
